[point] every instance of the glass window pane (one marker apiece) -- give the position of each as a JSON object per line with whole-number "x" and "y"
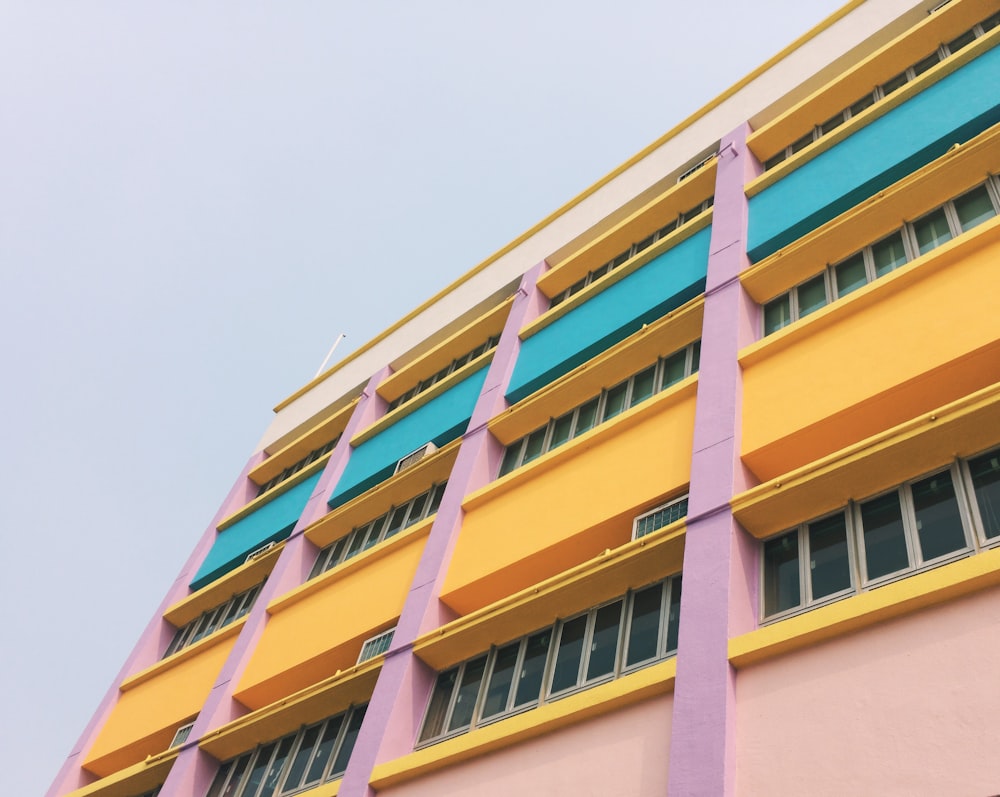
{"x": 604, "y": 642}
{"x": 396, "y": 521}
{"x": 614, "y": 402}
{"x": 576, "y": 287}
{"x": 922, "y": 66}
{"x": 802, "y": 143}
{"x": 812, "y": 295}
{"x": 888, "y": 254}
{"x": 347, "y": 743}
{"x": 416, "y": 509}
{"x": 597, "y": 273}
{"x": 642, "y": 386}
{"x": 829, "y": 558}
{"x": 529, "y": 681}
{"x": 561, "y": 430}
{"x": 277, "y": 765}
{"x": 568, "y": 654}
{"x": 851, "y": 274}
{"x": 468, "y": 691}
{"x": 301, "y": 759}
{"x": 695, "y": 356}
{"x": 777, "y": 314}
{"x": 232, "y": 787}
{"x": 324, "y": 750}
{"x": 258, "y": 769}
{"x": 939, "y": 524}
{"x": 985, "y": 472}
{"x": 932, "y": 231}
{"x": 645, "y": 243}
{"x": 885, "y": 540}
{"x": 894, "y": 83}
{"x": 510, "y": 457}
{"x": 434, "y": 723}
{"x": 781, "y": 573}
{"x": 644, "y": 629}
{"x": 773, "y": 161}
{"x": 534, "y": 445}
{"x": 586, "y": 417}
{"x": 498, "y": 689}
{"x": 673, "y": 369}
{"x": 957, "y": 44}
{"x": 974, "y": 208}
{"x": 220, "y": 778}
{"x": 436, "y": 497}
{"x": 674, "y": 614}
{"x": 865, "y": 102}
{"x": 832, "y": 123}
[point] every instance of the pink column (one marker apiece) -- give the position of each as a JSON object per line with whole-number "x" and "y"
{"x": 154, "y": 639}
{"x": 720, "y": 582}
{"x": 193, "y": 771}
{"x": 404, "y": 684}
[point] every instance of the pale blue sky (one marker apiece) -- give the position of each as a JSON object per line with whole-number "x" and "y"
{"x": 196, "y": 198}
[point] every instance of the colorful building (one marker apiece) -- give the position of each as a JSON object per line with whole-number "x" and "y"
{"x": 693, "y": 489}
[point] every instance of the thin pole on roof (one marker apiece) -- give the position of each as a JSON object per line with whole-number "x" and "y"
{"x": 340, "y": 337}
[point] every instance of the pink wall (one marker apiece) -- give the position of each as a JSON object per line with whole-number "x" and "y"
{"x": 622, "y": 753}
{"x": 899, "y": 709}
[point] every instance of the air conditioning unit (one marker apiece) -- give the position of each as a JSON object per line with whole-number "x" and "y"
{"x": 182, "y": 734}
{"x": 376, "y": 646}
{"x": 259, "y": 552}
{"x": 414, "y": 457}
{"x": 659, "y": 517}
{"x": 696, "y": 167}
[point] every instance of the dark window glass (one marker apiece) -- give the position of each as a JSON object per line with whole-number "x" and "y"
{"x": 500, "y": 680}
{"x": 695, "y": 356}
{"x": 561, "y": 430}
{"x": 604, "y": 642}
{"x": 777, "y": 314}
{"x": 325, "y": 749}
{"x": 885, "y": 541}
{"x": 215, "y": 789}
{"x": 468, "y": 691}
{"x": 642, "y": 386}
{"x": 923, "y": 65}
{"x": 256, "y": 776}
{"x": 829, "y": 558}
{"x": 932, "y": 231}
{"x": 888, "y": 254}
{"x": 894, "y": 83}
{"x": 832, "y": 123}
{"x": 534, "y": 445}
{"x": 812, "y": 295}
{"x": 939, "y": 524}
{"x": 278, "y": 764}
{"x": 301, "y": 760}
{"x": 239, "y": 768}
{"x": 416, "y": 509}
{"x": 974, "y": 208}
{"x": 395, "y": 522}
{"x": 781, "y": 573}
{"x": 985, "y": 471}
{"x": 802, "y": 143}
{"x": 774, "y": 160}
{"x": 434, "y": 724}
{"x": 674, "y": 613}
{"x": 957, "y": 44}
{"x": 568, "y": 654}
{"x": 614, "y": 402}
{"x": 347, "y": 743}
{"x": 529, "y": 683}
{"x": 586, "y": 417}
{"x": 673, "y": 368}
{"x": 644, "y": 628}
{"x": 865, "y": 102}
{"x": 645, "y": 243}
{"x": 851, "y": 274}
{"x": 436, "y": 497}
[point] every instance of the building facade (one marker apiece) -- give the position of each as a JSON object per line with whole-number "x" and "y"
{"x": 694, "y": 489}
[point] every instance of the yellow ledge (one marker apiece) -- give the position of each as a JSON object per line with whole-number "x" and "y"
{"x": 848, "y": 87}
{"x": 663, "y": 337}
{"x": 199, "y": 647}
{"x": 959, "y": 169}
{"x": 142, "y": 777}
{"x": 635, "y": 564}
{"x": 959, "y": 429}
{"x": 392, "y": 492}
{"x": 232, "y": 583}
{"x": 248, "y": 509}
{"x": 638, "y": 686}
{"x": 466, "y": 339}
{"x": 950, "y": 581}
{"x": 312, "y": 704}
{"x": 420, "y": 400}
{"x": 697, "y": 224}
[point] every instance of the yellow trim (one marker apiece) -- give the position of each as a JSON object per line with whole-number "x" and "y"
{"x": 639, "y": 156}
{"x": 657, "y": 679}
{"x": 962, "y": 167}
{"x": 136, "y": 779}
{"x": 392, "y": 492}
{"x": 959, "y": 429}
{"x": 663, "y": 337}
{"x": 473, "y": 334}
{"x": 910, "y": 594}
{"x": 915, "y": 43}
{"x": 248, "y": 509}
{"x": 414, "y": 404}
{"x": 181, "y": 656}
{"x": 327, "y": 698}
{"x": 232, "y": 583}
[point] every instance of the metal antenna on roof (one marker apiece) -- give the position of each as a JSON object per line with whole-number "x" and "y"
{"x": 340, "y": 337}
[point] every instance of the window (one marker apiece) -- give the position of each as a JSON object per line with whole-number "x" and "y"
{"x": 291, "y": 470}
{"x": 623, "y": 257}
{"x": 382, "y": 528}
{"x": 453, "y": 366}
{"x": 611, "y": 402}
{"x": 214, "y": 619}
{"x": 596, "y": 646}
{"x": 916, "y": 238}
{"x": 884, "y": 90}
{"x": 916, "y": 526}
{"x": 376, "y": 645}
{"x": 309, "y": 756}
{"x": 657, "y": 518}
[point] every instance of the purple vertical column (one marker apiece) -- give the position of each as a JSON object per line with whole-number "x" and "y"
{"x": 719, "y": 575}
{"x": 154, "y": 638}
{"x": 193, "y": 771}
{"x": 404, "y": 684}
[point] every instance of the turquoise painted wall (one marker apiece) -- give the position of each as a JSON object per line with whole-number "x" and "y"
{"x": 441, "y": 420}
{"x": 953, "y": 110}
{"x": 272, "y": 522}
{"x": 663, "y": 284}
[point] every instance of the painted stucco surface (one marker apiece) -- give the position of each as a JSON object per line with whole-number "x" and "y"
{"x": 889, "y": 711}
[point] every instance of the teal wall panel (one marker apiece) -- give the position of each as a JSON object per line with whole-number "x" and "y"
{"x": 663, "y": 284}
{"x": 440, "y": 421}
{"x": 953, "y": 110}
{"x": 272, "y": 522}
